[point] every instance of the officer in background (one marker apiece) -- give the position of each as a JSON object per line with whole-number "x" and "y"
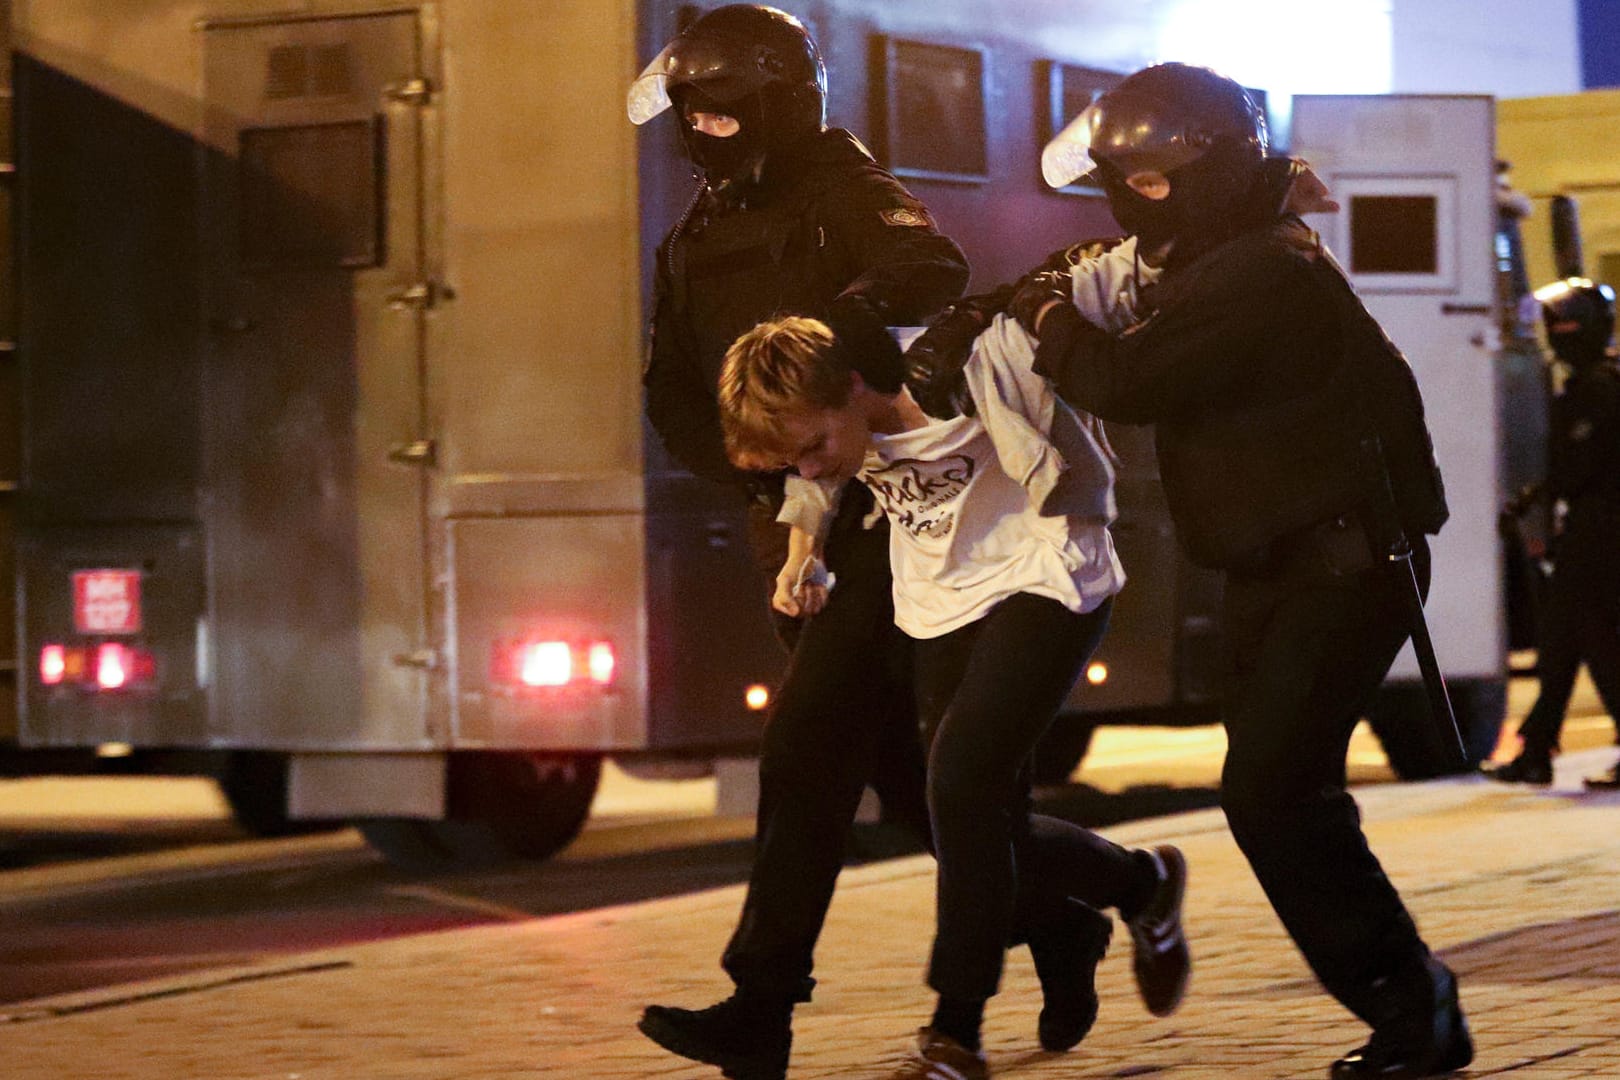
{"x": 1582, "y": 621}
{"x": 791, "y": 217}
{"x": 1294, "y": 457}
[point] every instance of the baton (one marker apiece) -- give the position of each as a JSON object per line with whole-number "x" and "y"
{"x": 1443, "y": 719}
{"x": 1443, "y": 728}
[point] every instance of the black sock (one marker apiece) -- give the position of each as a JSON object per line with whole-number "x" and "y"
{"x": 1147, "y": 884}
{"x": 959, "y": 1018}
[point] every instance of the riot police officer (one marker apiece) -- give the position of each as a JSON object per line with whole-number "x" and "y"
{"x": 1294, "y": 454}
{"x": 1582, "y": 621}
{"x": 791, "y": 217}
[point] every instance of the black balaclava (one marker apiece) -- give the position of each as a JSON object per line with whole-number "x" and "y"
{"x": 1208, "y": 201}
{"x": 728, "y": 160}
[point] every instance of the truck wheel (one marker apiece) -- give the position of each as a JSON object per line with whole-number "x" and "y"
{"x": 1400, "y": 719}
{"x": 1061, "y": 749}
{"x": 499, "y": 807}
{"x": 255, "y": 784}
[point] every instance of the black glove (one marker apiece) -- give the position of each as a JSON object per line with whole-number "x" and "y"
{"x": 1038, "y": 290}
{"x": 935, "y": 361}
{"x": 868, "y": 347}
{"x": 1063, "y": 329}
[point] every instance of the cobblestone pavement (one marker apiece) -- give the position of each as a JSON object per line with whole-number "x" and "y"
{"x": 1519, "y": 891}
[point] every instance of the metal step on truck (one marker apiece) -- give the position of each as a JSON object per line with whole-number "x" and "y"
{"x": 329, "y": 476}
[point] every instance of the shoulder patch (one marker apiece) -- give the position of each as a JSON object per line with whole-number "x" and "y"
{"x": 905, "y": 215}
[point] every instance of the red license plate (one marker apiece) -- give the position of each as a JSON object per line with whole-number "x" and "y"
{"x": 107, "y": 601}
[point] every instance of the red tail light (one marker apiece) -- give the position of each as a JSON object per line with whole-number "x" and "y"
{"x": 112, "y": 666}
{"x": 601, "y": 662}
{"x": 107, "y": 666}
{"x": 545, "y": 663}
{"x": 553, "y": 665}
{"x": 52, "y": 665}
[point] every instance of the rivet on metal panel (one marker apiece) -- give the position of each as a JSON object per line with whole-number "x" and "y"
{"x": 420, "y": 452}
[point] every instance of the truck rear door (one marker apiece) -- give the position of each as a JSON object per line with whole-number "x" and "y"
{"x": 316, "y": 299}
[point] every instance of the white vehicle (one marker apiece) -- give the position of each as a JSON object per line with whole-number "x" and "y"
{"x": 1415, "y": 177}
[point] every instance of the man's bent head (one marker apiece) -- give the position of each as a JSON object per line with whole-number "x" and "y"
{"x": 787, "y": 397}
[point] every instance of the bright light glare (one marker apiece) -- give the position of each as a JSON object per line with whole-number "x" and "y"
{"x": 1097, "y": 673}
{"x": 52, "y": 664}
{"x": 757, "y": 697}
{"x": 112, "y": 667}
{"x": 1285, "y": 47}
{"x": 546, "y": 663}
{"x": 600, "y": 661}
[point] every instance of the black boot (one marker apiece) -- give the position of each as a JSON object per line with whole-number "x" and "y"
{"x": 1066, "y": 956}
{"x": 745, "y": 1038}
{"x": 1418, "y": 1028}
{"x": 1530, "y": 767}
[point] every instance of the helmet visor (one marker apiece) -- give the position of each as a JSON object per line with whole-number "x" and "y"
{"x": 649, "y": 94}
{"x": 1068, "y": 156}
{"x": 1136, "y": 129}
{"x": 723, "y": 70}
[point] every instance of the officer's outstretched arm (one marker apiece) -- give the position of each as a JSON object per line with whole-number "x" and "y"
{"x": 887, "y": 248}
{"x": 1198, "y": 345}
{"x": 935, "y": 360}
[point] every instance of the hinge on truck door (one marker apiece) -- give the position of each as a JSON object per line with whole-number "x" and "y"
{"x": 422, "y": 659}
{"x": 409, "y": 92}
{"x": 420, "y": 452}
{"x": 418, "y": 296}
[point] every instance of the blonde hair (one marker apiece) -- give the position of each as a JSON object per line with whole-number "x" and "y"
{"x": 782, "y": 367}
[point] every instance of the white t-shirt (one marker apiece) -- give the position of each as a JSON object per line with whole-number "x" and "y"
{"x": 963, "y": 535}
{"x": 1105, "y": 285}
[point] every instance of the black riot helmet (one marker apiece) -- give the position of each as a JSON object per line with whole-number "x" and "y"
{"x": 753, "y": 63}
{"x": 1579, "y": 317}
{"x": 1197, "y": 127}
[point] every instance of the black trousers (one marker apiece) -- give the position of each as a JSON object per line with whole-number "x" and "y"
{"x": 844, "y": 718}
{"x": 1309, "y": 650}
{"x": 985, "y": 694}
{"x": 1581, "y": 625}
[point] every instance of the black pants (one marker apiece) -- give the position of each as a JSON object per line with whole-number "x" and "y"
{"x": 844, "y": 718}
{"x": 1309, "y": 651}
{"x": 1581, "y": 624}
{"x": 986, "y": 693}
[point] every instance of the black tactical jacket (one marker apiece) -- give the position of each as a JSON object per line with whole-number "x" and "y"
{"x": 1583, "y": 466}
{"x": 1264, "y": 376}
{"x": 825, "y": 223}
